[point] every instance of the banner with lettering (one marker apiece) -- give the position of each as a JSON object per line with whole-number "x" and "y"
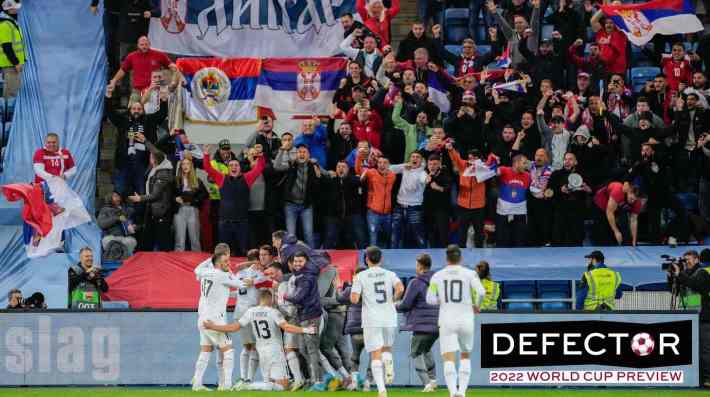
{"x": 249, "y": 28}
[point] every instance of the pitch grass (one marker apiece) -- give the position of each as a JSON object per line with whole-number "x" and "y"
{"x": 487, "y": 392}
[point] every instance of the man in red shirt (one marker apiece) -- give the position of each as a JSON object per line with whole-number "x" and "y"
{"x": 612, "y": 43}
{"x": 52, "y": 161}
{"x": 143, "y": 62}
{"x": 677, "y": 68}
{"x": 607, "y": 201}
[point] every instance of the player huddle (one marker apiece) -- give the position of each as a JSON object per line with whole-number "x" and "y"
{"x": 288, "y": 327}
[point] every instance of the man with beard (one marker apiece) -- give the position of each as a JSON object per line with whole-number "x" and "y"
{"x": 547, "y": 62}
{"x": 644, "y": 133}
{"x": 539, "y": 209}
{"x": 690, "y": 121}
{"x": 437, "y": 202}
{"x": 340, "y": 142}
{"x": 408, "y": 214}
{"x": 568, "y": 205}
{"x": 131, "y": 158}
{"x": 265, "y": 136}
{"x": 652, "y": 173}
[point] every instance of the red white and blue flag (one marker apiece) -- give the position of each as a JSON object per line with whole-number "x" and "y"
{"x": 438, "y": 92}
{"x": 220, "y": 91}
{"x": 294, "y": 85}
{"x": 504, "y": 60}
{"x": 515, "y": 86}
{"x": 641, "y": 22}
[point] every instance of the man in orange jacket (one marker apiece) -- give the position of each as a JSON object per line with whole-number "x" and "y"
{"x": 471, "y": 201}
{"x": 380, "y": 182}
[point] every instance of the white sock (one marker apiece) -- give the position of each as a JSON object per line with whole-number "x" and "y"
{"x": 378, "y": 373}
{"x": 450, "y": 376}
{"x": 200, "y": 366}
{"x": 265, "y": 386}
{"x": 253, "y": 364}
{"x": 464, "y": 375}
{"x": 244, "y": 364}
{"x": 220, "y": 369}
{"x": 343, "y": 372}
{"x": 227, "y": 369}
{"x": 295, "y": 366}
{"x": 326, "y": 365}
{"x": 387, "y": 358}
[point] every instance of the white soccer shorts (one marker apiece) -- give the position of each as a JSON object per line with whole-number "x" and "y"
{"x": 292, "y": 341}
{"x": 214, "y": 338}
{"x": 456, "y": 337}
{"x": 246, "y": 337}
{"x": 378, "y": 337}
{"x": 272, "y": 362}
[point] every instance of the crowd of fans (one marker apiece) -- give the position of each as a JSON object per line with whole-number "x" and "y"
{"x": 581, "y": 152}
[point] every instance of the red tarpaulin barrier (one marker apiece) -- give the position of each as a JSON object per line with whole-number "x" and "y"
{"x": 166, "y": 280}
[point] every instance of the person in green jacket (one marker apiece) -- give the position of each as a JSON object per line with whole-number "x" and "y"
{"x": 492, "y": 299}
{"x": 414, "y": 134}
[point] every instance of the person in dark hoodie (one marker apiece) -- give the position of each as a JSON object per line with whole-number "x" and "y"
{"x": 118, "y": 229}
{"x": 417, "y": 38}
{"x": 344, "y": 213}
{"x": 307, "y": 298}
{"x": 422, "y": 320}
{"x": 287, "y": 245}
{"x": 131, "y": 158}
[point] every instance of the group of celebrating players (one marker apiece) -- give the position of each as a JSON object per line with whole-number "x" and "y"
{"x": 278, "y": 317}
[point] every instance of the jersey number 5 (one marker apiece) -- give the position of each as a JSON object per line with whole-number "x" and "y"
{"x": 453, "y": 291}
{"x": 262, "y": 329}
{"x": 381, "y": 292}
{"x": 206, "y": 287}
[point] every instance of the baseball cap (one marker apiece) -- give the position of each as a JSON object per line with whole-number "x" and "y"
{"x": 224, "y": 144}
{"x": 597, "y": 255}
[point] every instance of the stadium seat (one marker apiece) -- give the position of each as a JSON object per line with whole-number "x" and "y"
{"x": 553, "y": 286}
{"x": 524, "y": 287}
{"x": 519, "y": 307}
{"x": 483, "y": 49}
{"x": 455, "y": 25}
{"x": 115, "y": 305}
{"x": 109, "y": 267}
{"x": 553, "y": 306}
{"x": 11, "y": 105}
{"x": 453, "y": 48}
{"x": 640, "y": 75}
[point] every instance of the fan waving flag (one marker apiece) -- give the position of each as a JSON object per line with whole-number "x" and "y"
{"x": 438, "y": 92}
{"x": 220, "y": 91}
{"x": 641, "y": 22}
{"x": 305, "y": 86}
{"x": 515, "y": 86}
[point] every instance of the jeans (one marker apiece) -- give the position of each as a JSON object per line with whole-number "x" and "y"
{"x": 511, "y": 232}
{"x": 376, "y": 224}
{"x": 471, "y": 217}
{"x": 333, "y": 335}
{"x": 539, "y": 222}
{"x": 187, "y": 220}
{"x": 311, "y": 350}
{"x": 293, "y": 212}
{"x": 404, "y": 218}
{"x": 156, "y": 235}
{"x": 437, "y": 225}
{"x": 352, "y": 228}
{"x": 236, "y": 234}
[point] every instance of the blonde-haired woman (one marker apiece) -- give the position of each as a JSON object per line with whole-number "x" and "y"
{"x": 190, "y": 192}
{"x": 377, "y": 18}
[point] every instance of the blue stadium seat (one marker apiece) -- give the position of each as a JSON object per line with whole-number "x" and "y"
{"x": 484, "y": 49}
{"x": 109, "y": 267}
{"x": 115, "y": 305}
{"x": 482, "y": 31}
{"x": 553, "y": 286}
{"x": 11, "y": 105}
{"x": 640, "y": 75}
{"x": 553, "y": 306}
{"x": 519, "y": 307}
{"x": 455, "y": 25}
{"x": 516, "y": 287}
{"x": 453, "y": 48}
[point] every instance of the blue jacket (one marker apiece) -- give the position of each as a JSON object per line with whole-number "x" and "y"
{"x": 316, "y": 143}
{"x": 353, "y": 319}
{"x": 421, "y": 316}
{"x": 290, "y": 245}
{"x": 584, "y": 289}
{"x": 306, "y": 295}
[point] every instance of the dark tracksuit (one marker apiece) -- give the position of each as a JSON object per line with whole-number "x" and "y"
{"x": 700, "y": 283}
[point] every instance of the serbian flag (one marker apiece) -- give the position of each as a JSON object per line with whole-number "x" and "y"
{"x": 641, "y": 22}
{"x": 438, "y": 92}
{"x": 515, "y": 86}
{"x": 504, "y": 60}
{"x": 220, "y": 91}
{"x": 305, "y": 85}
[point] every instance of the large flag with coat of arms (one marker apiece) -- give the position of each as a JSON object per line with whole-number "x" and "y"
{"x": 294, "y": 85}
{"x": 640, "y": 22}
{"x": 220, "y": 90}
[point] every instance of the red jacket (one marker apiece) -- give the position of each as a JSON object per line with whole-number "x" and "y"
{"x": 614, "y": 53}
{"x": 370, "y": 130}
{"x": 380, "y": 28}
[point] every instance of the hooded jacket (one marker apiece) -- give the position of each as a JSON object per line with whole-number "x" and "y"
{"x": 145, "y": 124}
{"x": 306, "y": 295}
{"x": 411, "y": 43}
{"x": 353, "y": 319}
{"x": 108, "y": 218}
{"x": 421, "y": 316}
{"x": 290, "y": 246}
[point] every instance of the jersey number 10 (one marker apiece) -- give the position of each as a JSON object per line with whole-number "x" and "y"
{"x": 453, "y": 291}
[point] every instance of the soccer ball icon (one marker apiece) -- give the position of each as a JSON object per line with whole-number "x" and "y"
{"x": 642, "y": 344}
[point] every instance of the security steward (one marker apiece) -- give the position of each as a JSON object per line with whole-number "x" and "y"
{"x": 492, "y": 298}
{"x": 12, "y": 56}
{"x": 698, "y": 281}
{"x": 600, "y": 286}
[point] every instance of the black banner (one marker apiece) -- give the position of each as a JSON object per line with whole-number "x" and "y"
{"x": 615, "y": 344}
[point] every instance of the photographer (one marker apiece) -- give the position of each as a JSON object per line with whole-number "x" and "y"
{"x": 85, "y": 282}
{"x": 696, "y": 277}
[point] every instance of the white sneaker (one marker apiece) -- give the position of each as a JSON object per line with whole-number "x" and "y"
{"x": 352, "y": 386}
{"x": 457, "y": 394}
{"x": 366, "y": 386}
{"x": 430, "y": 387}
{"x": 297, "y": 385}
{"x": 241, "y": 385}
{"x": 200, "y": 388}
{"x": 389, "y": 372}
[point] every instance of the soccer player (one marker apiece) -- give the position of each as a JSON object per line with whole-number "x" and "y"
{"x": 215, "y": 281}
{"x": 378, "y": 288}
{"x": 458, "y": 292}
{"x": 247, "y": 297}
{"x": 266, "y": 323}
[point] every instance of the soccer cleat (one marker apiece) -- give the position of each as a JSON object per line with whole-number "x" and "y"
{"x": 366, "y": 385}
{"x": 352, "y": 386}
{"x": 334, "y": 383}
{"x": 297, "y": 385}
{"x": 430, "y": 387}
{"x": 200, "y": 388}
{"x": 382, "y": 394}
{"x": 320, "y": 386}
{"x": 389, "y": 372}
{"x": 241, "y": 385}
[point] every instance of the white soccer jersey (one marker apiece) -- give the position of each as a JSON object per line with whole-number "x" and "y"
{"x": 457, "y": 290}
{"x": 264, "y": 322}
{"x": 247, "y": 297}
{"x": 214, "y": 293}
{"x": 376, "y": 288}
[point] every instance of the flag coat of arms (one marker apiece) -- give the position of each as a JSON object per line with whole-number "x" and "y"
{"x": 220, "y": 90}
{"x": 640, "y": 22}
{"x": 305, "y": 86}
